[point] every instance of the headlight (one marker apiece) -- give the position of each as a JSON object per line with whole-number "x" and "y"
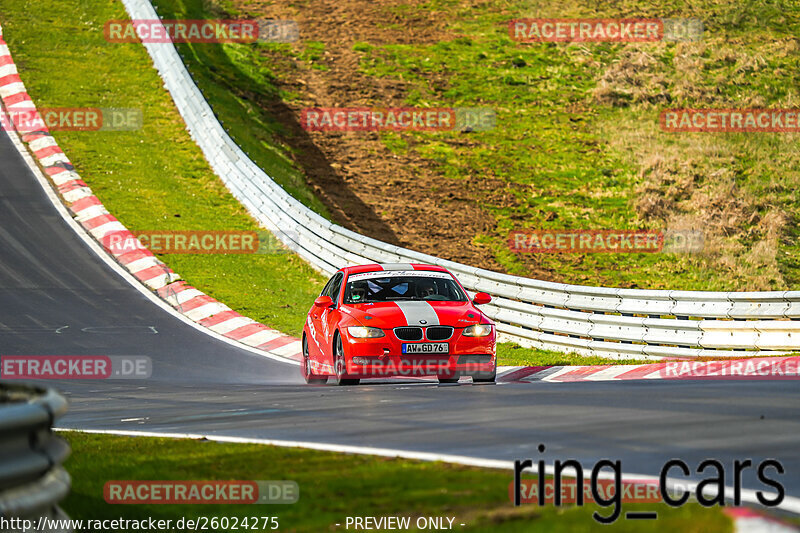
{"x": 360, "y": 332}
{"x": 478, "y": 330}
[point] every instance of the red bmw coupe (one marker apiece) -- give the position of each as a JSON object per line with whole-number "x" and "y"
{"x": 407, "y": 320}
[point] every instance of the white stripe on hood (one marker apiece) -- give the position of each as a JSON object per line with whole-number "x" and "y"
{"x": 416, "y": 312}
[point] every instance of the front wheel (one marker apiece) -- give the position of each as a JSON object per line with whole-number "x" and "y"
{"x": 339, "y": 366}
{"x": 305, "y": 367}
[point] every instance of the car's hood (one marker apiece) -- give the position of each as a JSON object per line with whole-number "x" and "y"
{"x": 387, "y": 315}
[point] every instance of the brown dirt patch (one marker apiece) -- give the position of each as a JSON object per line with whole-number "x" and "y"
{"x": 402, "y": 199}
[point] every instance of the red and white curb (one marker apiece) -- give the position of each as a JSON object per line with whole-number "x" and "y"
{"x": 758, "y": 368}
{"x": 89, "y": 212}
{"x": 746, "y": 520}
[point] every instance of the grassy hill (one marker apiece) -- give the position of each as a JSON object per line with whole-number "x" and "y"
{"x": 577, "y": 142}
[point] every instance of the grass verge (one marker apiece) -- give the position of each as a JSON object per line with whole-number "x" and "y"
{"x": 515, "y": 355}
{"x": 334, "y": 486}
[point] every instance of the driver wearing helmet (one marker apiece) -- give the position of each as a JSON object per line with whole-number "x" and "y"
{"x": 425, "y": 288}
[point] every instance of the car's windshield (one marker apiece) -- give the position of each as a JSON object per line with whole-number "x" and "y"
{"x": 397, "y": 286}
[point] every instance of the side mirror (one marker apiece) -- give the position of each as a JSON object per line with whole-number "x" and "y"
{"x": 481, "y": 298}
{"x": 323, "y": 301}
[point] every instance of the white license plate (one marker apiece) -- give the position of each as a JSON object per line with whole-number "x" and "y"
{"x": 426, "y": 347}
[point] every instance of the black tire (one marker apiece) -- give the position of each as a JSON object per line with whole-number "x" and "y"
{"x": 339, "y": 366}
{"x": 305, "y": 368}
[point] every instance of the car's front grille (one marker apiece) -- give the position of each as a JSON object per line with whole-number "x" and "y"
{"x": 408, "y": 333}
{"x": 438, "y": 333}
{"x": 432, "y": 333}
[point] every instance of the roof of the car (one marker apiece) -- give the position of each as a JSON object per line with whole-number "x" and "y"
{"x": 375, "y": 267}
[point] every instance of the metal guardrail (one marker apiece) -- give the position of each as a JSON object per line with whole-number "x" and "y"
{"x": 590, "y": 320}
{"x": 32, "y": 480}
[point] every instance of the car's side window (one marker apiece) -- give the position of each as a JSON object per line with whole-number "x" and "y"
{"x": 336, "y": 286}
{"x": 327, "y": 290}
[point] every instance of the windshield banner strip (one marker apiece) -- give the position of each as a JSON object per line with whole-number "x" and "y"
{"x": 399, "y": 273}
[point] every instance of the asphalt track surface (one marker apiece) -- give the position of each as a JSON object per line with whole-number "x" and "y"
{"x": 58, "y": 298}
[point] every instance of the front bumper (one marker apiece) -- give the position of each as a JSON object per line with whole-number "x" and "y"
{"x": 383, "y": 357}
